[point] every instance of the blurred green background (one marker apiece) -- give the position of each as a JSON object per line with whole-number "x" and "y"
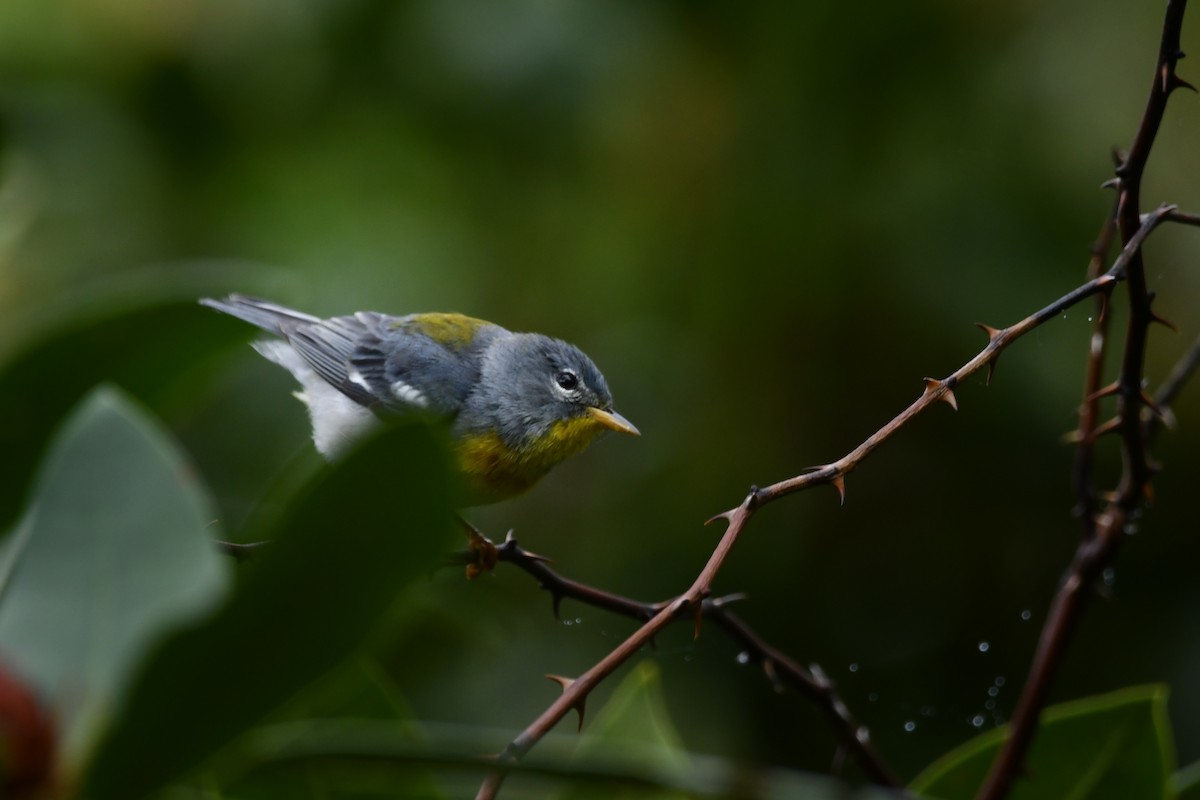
{"x": 766, "y": 223}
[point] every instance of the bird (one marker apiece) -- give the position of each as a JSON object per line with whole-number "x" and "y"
{"x": 518, "y": 404}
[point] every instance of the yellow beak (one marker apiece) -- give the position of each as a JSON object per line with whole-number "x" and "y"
{"x": 613, "y": 421}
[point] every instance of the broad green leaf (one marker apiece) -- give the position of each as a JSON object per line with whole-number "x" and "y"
{"x": 115, "y": 547}
{"x": 341, "y": 554}
{"x": 389, "y": 758}
{"x": 1186, "y": 782}
{"x": 634, "y": 727}
{"x": 1115, "y": 745}
{"x": 360, "y": 688}
{"x": 356, "y": 693}
{"x": 138, "y": 329}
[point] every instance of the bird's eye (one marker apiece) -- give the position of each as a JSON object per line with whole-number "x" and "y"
{"x": 566, "y": 380}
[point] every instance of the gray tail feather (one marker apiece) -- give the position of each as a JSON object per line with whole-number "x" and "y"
{"x": 263, "y": 313}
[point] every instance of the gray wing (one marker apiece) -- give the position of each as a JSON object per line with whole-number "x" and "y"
{"x": 405, "y": 367}
{"x": 382, "y": 362}
{"x": 325, "y": 344}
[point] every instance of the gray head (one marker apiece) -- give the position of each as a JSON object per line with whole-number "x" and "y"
{"x": 531, "y": 384}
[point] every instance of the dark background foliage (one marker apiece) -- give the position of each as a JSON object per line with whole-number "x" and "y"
{"x": 766, "y": 222}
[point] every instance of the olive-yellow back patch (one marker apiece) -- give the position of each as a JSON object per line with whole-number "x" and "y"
{"x": 451, "y": 330}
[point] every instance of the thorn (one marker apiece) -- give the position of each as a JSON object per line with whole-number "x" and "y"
{"x": 1072, "y": 437}
{"x": 566, "y": 684}
{"x": 992, "y": 333}
{"x": 1107, "y": 391}
{"x": 1154, "y": 407}
{"x": 563, "y": 681}
{"x": 725, "y": 515}
{"x": 839, "y": 483}
{"x": 991, "y": 371}
{"x": 947, "y": 395}
{"x": 768, "y": 667}
{"x": 1111, "y": 183}
{"x": 536, "y": 557}
{"x": 1156, "y": 318}
{"x": 556, "y": 602}
{"x": 1179, "y": 83}
{"x": 1105, "y": 428}
{"x": 736, "y": 597}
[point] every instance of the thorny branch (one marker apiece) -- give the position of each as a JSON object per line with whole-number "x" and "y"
{"x": 1104, "y": 527}
{"x": 575, "y": 691}
{"x": 853, "y": 739}
{"x": 1170, "y": 388}
{"x": 1104, "y": 518}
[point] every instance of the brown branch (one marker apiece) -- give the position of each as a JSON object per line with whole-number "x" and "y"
{"x": 943, "y": 390}
{"x": 1184, "y": 218}
{"x": 1179, "y": 375}
{"x": 1085, "y": 496}
{"x": 1097, "y": 550}
{"x": 576, "y": 691}
{"x": 852, "y": 737}
{"x": 1160, "y": 411}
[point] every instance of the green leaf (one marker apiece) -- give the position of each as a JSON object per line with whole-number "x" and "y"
{"x": 1186, "y": 782}
{"x": 635, "y": 729}
{"x": 358, "y": 693}
{"x": 386, "y": 758}
{"x": 339, "y": 557}
{"x": 1115, "y": 745}
{"x": 115, "y": 547}
{"x": 139, "y": 329}
{"x": 636, "y": 718}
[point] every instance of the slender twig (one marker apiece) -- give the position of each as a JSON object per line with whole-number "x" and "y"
{"x": 1160, "y": 413}
{"x": 1184, "y": 218}
{"x": 238, "y": 551}
{"x": 576, "y": 691}
{"x": 943, "y": 390}
{"x": 1097, "y": 550}
{"x": 1085, "y": 496}
{"x": 781, "y": 669}
{"x": 1179, "y": 375}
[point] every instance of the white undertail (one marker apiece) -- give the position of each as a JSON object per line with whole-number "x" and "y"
{"x": 337, "y": 421}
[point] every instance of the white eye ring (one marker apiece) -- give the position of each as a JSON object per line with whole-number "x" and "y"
{"x": 567, "y": 380}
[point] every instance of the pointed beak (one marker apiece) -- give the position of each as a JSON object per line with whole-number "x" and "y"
{"x": 613, "y": 421}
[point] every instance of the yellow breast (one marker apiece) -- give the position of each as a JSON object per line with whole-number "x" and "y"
{"x": 495, "y": 471}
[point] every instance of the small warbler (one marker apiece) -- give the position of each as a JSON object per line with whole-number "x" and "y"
{"x": 519, "y": 403}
